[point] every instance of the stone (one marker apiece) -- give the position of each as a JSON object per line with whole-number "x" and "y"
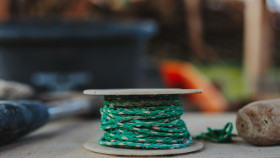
{"x": 258, "y": 123}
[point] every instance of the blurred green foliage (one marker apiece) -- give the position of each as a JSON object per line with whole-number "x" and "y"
{"x": 228, "y": 78}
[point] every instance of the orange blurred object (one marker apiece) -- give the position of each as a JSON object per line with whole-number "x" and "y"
{"x": 177, "y": 74}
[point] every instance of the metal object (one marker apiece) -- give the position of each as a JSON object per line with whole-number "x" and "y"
{"x": 67, "y": 108}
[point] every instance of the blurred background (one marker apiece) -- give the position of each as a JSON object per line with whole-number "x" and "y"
{"x": 229, "y": 48}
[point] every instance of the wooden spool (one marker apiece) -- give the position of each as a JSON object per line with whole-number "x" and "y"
{"x": 93, "y": 145}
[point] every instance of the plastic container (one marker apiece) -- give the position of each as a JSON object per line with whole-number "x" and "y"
{"x": 74, "y": 56}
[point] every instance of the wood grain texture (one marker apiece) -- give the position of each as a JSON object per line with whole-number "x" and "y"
{"x": 65, "y": 138}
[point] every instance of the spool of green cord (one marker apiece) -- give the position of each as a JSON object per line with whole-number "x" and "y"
{"x": 144, "y": 122}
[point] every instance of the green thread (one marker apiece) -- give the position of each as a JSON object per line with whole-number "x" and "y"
{"x": 218, "y": 135}
{"x": 144, "y": 121}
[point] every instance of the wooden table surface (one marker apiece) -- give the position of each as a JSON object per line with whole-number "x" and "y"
{"x": 65, "y": 138}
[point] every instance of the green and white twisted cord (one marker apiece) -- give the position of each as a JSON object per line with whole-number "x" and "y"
{"x": 144, "y": 121}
